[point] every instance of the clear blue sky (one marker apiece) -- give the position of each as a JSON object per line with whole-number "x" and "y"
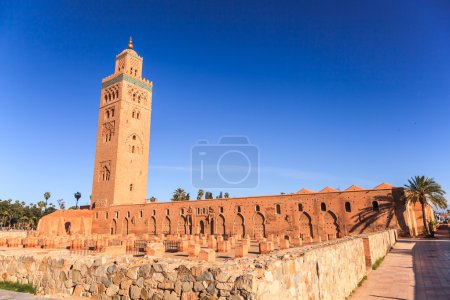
{"x": 332, "y": 93}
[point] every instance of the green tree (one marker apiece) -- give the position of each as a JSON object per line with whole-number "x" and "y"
{"x": 200, "y": 194}
{"x": 179, "y": 195}
{"x": 41, "y": 205}
{"x": 77, "y": 196}
{"x": 47, "y": 195}
{"x": 153, "y": 199}
{"x": 50, "y": 209}
{"x": 20, "y": 215}
{"x": 61, "y": 204}
{"x": 426, "y": 191}
{"x": 226, "y": 195}
{"x": 209, "y": 195}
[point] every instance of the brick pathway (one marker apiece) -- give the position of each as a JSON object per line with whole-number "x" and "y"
{"x": 415, "y": 269}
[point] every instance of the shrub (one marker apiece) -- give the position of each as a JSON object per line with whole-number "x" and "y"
{"x": 17, "y": 287}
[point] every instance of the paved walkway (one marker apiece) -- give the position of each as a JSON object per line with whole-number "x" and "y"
{"x": 4, "y": 295}
{"x": 415, "y": 269}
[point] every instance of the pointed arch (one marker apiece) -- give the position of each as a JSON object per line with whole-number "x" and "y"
{"x": 125, "y": 227}
{"x": 239, "y": 225}
{"x": 189, "y": 224}
{"x": 330, "y": 225}
{"x": 221, "y": 225}
{"x": 113, "y": 227}
{"x": 202, "y": 227}
{"x": 181, "y": 227}
{"x": 305, "y": 225}
{"x": 211, "y": 226}
{"x": 152, "y": 225}
{"x": 259, "y": 228}
{"x": 166, "y": 225}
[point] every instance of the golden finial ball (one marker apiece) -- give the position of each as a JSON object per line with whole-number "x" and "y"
{"x": 130, "y": 44}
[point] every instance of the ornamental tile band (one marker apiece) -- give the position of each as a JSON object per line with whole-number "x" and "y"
{"x": 127, "y": 78}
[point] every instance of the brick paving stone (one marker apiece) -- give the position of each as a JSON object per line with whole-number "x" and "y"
{"x": 416, "y": 269}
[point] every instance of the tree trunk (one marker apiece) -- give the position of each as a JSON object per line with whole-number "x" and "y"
{"x": 425, "y": 225}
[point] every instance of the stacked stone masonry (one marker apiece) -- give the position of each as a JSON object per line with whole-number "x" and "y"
{"x": 329, "y": 270}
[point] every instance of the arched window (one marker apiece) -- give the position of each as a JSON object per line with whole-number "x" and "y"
{"x": 375, "y": 206}
{"x": 238, "y": 208}
{"x": 107, "y": 114}
{"x": 278, "y": 209}
{"x": 131, "y": 187}
{"x": 112, "y": 112}
{"x": 134, "y": 137}
{"x": 300, "y": 207}
{"x": 105, "y": 174}
{"x": 106, "y": 98}
{"x": 154, "y": 212}
{"x": 167, "y": 212}
{"x": 132, "y": 149}
{"x": 132, "y": 115}
{"x": 137, "y": 115}
{"x": 117, "y": 94}
{"x": 323, "y": 206}
{"x": 139, "y": 99}
{"x": 348, "y": 207}
{"x": 257, "y": 208}
{"x": 128, "y": 214}
{"x": 181, "y": 211}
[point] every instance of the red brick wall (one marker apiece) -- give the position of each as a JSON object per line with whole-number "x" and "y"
{"x": 334, "y": 221}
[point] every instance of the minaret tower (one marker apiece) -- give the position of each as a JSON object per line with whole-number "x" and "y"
{"x": 123, "y": 138}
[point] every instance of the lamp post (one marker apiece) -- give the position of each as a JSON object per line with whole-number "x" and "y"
{"x": 77, "y": 196}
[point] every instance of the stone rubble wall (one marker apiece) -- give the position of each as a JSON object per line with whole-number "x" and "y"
{"x": 330, "y": 270}
{"x": 380, "y": 243}
{"x": 326, "y": 272}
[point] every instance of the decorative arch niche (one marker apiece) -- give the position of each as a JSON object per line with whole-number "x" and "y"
{"x": 259, "y": 228}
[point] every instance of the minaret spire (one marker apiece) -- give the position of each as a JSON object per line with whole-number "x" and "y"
{"x": 130, "y": 43}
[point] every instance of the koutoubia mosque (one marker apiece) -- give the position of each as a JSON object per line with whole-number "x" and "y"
{"x": 119, "y": 188}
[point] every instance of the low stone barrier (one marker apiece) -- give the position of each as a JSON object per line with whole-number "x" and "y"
{"x": 330, "y": 270}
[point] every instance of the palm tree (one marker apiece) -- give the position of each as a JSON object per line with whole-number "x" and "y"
{"x": 425, "y": 191}
{"x": 77, "y": 196}
{"x": 179, "y": 195}
{"x": 47, "y": 195}
{"x": 5, "y": 216}
{"x": 41, "y": 205}
{"x": 200, "y": 194}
